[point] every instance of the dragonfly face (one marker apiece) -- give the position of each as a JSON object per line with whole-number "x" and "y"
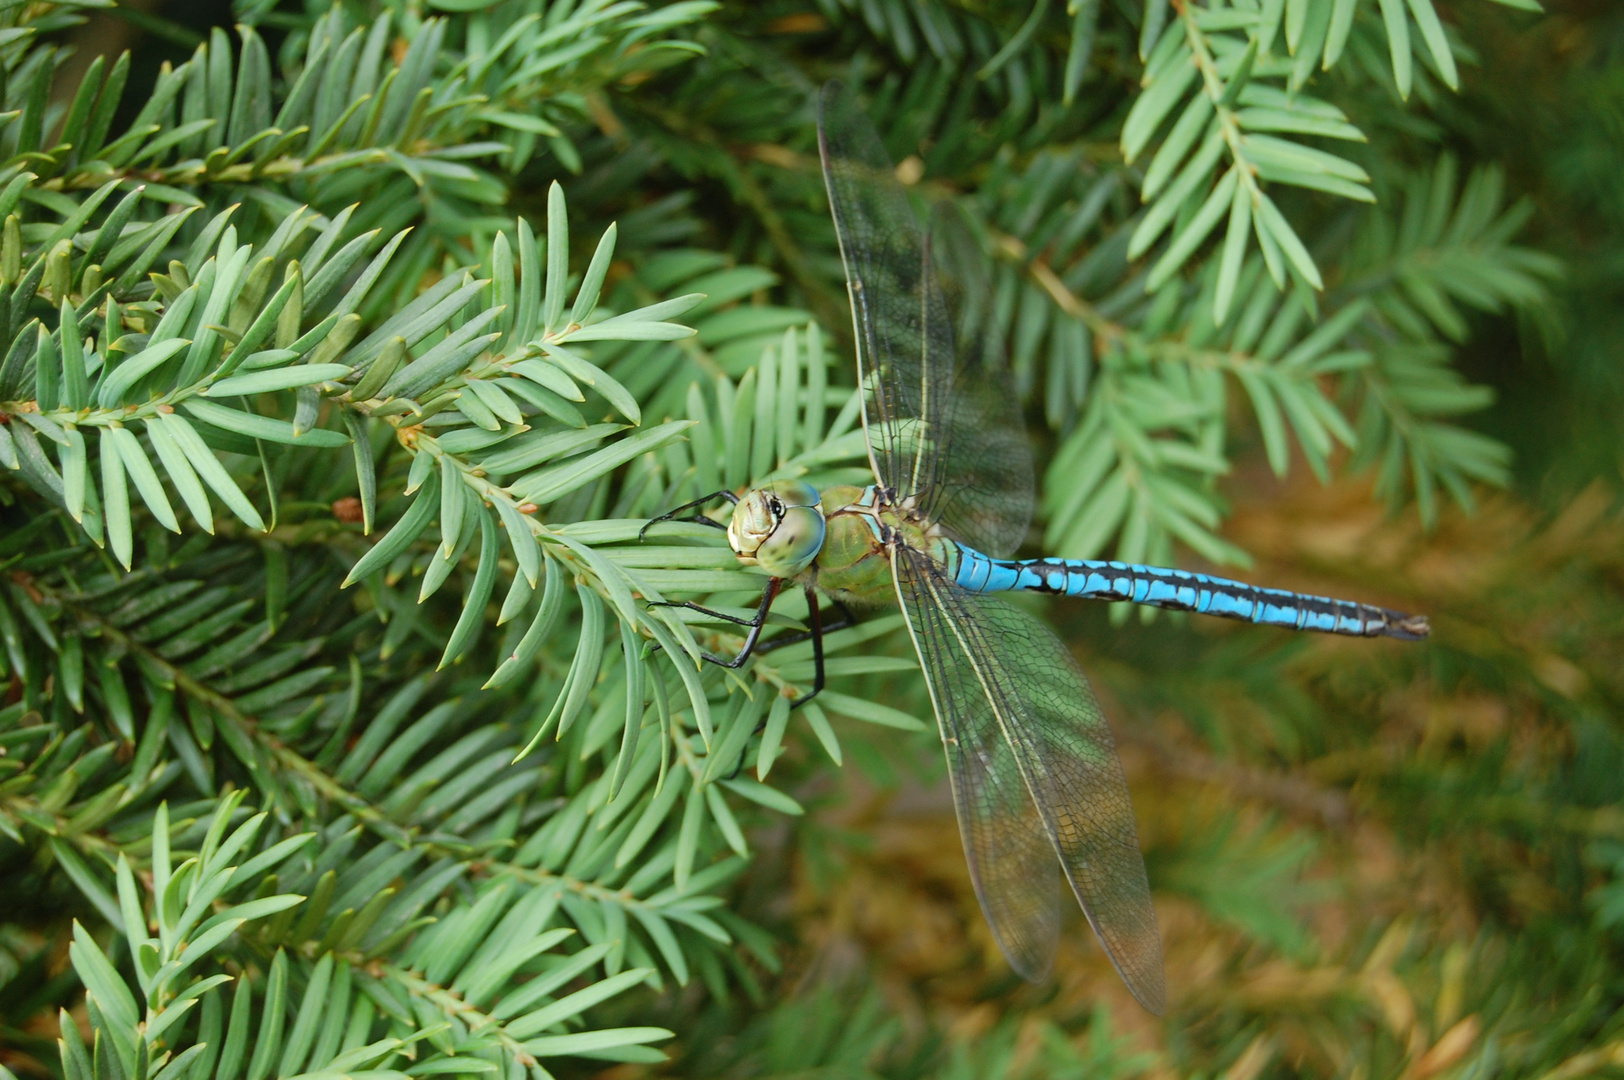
{"x": 779, "y": 527}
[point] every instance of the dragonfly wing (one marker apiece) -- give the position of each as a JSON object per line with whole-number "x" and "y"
{"x": 1035, "y": 775}
{"x": 939, "y": 409}
{"x": 1012, "y": 863}
{"x": 985, "y": 486}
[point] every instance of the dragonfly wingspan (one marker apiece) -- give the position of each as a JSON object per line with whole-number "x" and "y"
{"x": 1035, "y": 776}
{"x": 940, "y": 412}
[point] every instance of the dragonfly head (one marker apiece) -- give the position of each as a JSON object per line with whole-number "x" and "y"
{"x": 778, "y": 527}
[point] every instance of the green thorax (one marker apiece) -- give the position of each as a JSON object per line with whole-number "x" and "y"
{"x": 834, "y": 540}
{"x": 853, "y": 563}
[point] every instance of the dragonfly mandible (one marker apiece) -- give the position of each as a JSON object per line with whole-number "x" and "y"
{"x": 1040, "y": 795}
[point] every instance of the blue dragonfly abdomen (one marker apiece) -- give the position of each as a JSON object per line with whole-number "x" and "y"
{"x": 1184, "y": 590}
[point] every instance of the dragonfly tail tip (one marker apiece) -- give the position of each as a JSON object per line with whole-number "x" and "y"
{"x": 1407, "y": 627}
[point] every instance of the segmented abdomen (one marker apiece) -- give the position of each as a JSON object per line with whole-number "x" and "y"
{"x": 1183, "y": 590}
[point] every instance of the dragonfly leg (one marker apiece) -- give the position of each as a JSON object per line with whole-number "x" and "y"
{"x": 815, "y": 632}
{"x": 753, "y": 643}
{"x": 814, "y": 635}
{"x": 752, "y": 639}
{"x": 815, "y": 618}
{"x": 712, "y": 612}
{"x": 697, "y": 519}
{"x": 847, "y": 619}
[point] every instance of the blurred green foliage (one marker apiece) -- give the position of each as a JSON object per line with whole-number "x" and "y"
{"x": 1330, "y": 287}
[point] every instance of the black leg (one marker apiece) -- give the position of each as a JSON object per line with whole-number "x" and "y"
{"x": 753, "y": 643}
{"x": 815, "y": 631}
{"x": 795, "y": 638}
{"x": 753, "y": 638}
{"x": 697, "y": 519}
{"x": 755, "y": 622}
{"x": 754, "y": 646}
{"x": 846, "y": 619}
{"x": 722, "y": 615}
{"x": 815, "y": 618}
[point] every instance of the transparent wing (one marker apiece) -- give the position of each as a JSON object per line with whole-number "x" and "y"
{"x": 943, "y": 424}
{"x": 1035, "y": 775}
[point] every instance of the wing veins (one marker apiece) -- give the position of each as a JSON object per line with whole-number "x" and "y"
{"x": 863, "y": 328}
{"x": 974, "y": 644}
{"x": 925, "y": 400}
{"x": 947, "y": 393}
{"x": 974, "y": 778}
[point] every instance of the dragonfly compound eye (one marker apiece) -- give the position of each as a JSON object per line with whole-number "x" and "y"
{"x": 794, "y": 544}
{"x": 779, "y": 527}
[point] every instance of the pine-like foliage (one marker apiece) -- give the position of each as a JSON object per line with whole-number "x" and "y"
{"x": 343, "y": 358}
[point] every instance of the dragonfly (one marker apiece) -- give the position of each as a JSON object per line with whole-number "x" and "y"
{"x": 1040, "y": 795}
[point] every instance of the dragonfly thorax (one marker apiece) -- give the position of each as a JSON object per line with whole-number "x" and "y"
{"x": 779, "y": 527}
